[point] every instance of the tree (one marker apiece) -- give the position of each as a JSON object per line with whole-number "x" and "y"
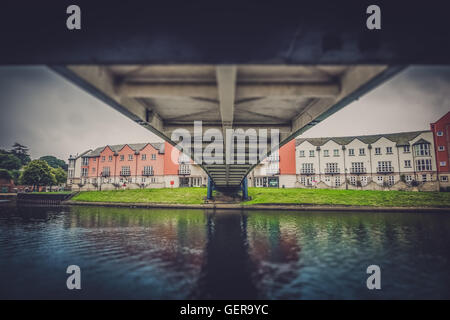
{"x": 9, "y": 161}
{"x": 15, "y": 175}
{"x": 37, "y": 173}
{"x": 21, "y": 152}
{"x": 5, "y": 175}
{"x": 55, "y": 162}
{"x": 60, "y": 175}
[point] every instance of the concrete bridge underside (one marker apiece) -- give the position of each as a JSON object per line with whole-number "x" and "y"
{"x": 291, "y": 98}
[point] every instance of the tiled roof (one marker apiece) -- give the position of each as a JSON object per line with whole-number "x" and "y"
{"x": 401, "y": 138}
{"x": 136, "y": 147}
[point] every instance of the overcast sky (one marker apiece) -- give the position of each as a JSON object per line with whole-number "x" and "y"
{"x": 50, "y": 115}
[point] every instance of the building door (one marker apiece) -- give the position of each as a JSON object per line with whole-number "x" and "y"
{"x": 184, "y": 182}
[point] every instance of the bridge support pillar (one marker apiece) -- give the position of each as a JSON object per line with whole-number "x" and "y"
{"x": 244, "y": 189}
{"x": 210, "y": 189}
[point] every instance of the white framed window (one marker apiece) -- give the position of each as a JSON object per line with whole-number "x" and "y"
{"x": 441, "y": 148}
{"x": 444, "y": 178}
{"x": 385, "y": 166}
{"x": 439, "y": 133}
{"x": 391, "y": 180}
{"x": 351, "y": 152}
{"x": 103, "y": 158}
{"x": 364, "y": 180}
{"x": 84, "y": 172}
{"x": 422, "y": 149}
{"x": 303, "y": 180}
{"x": 85, "y": 162}
{"x": 423, "y": 165}
{"x": 424, "y": 177}
{"x": 301, "y": 153}
{"x": 326, "y": 153}
{"x": 336, "y": 153}
{"x": 153, "y": 156}
{"x": 331, "y": 167}
{"x": 362, "y": 151}
{"x": 125, "y": 171}
{"x": 184, "y": 169}
{"x": 122, "y": 157}
{"x": 143, "y": 157}
{"x": 406, "y": 149}
{"x": 148, "y": 171}
{"x": 442, "y": 163}
{"x": 407, "y": 163}
{"x": 353, "y": 180}
{"x": 389, "y": 150}
{"x": 307, "y": 168}
{"x": 377, "y": 151}
{"x": 311, "y": 153}
{"x": 408, "y": 178}
{"x": 380, "y": 179}
{"x": 337, "y": 181}
{"x": 357, "y": 167}
{"x": 110, "y": 158}
{"x": 130, "y": 157}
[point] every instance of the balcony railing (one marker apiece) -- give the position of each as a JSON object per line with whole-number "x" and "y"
{"x": 105, "y": 174}
{"x": 125, "y": 174}
{"x": 357, "y": 170}
{"x": 147, "y": 173}
{"x": 307, "y": 171}
{"x": 385, "y": 169}
{"x": 332, "y": 171}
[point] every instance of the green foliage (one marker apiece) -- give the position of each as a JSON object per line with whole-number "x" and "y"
{"x": 5, "y": 175}
{"x": 38, "y": 173}
{"x": 60, "y": 175}
{"x": 15, "y": 174}
{"x": 9, "y": 161}
{"x": 55, "y": 162}
{"x": 21, "y": 152}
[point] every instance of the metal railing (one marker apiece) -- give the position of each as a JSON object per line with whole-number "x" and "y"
{"x": 385, "y": 169}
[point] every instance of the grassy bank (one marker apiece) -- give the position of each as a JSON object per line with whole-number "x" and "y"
{"x": 176, "y": 195}
{"x": 277, "y": 196}
{"x": 349, "y": 197}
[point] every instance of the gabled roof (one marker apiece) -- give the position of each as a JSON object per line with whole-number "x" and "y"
{"x": 401, "y": 138}
{"x": 136, "y": 147}
{"x": 80, "y": 155}
{"x": 421, "y": 141}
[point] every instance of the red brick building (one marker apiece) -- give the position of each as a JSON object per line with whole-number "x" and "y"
{"x": 441, "y": 135}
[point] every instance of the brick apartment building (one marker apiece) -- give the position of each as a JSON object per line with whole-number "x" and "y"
{"x": 141, "y": 165}
{"x": 441, "y": 134}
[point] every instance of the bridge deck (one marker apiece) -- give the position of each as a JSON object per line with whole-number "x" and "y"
{"x": 290, "y": 98}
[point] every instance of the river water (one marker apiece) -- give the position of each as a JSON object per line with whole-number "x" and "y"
{"x": 197, "y": 254}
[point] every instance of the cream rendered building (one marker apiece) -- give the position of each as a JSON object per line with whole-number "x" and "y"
{"x": 373, "y": 162}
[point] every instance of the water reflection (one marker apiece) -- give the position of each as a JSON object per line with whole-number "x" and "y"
{"x": 137, "y": 253}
